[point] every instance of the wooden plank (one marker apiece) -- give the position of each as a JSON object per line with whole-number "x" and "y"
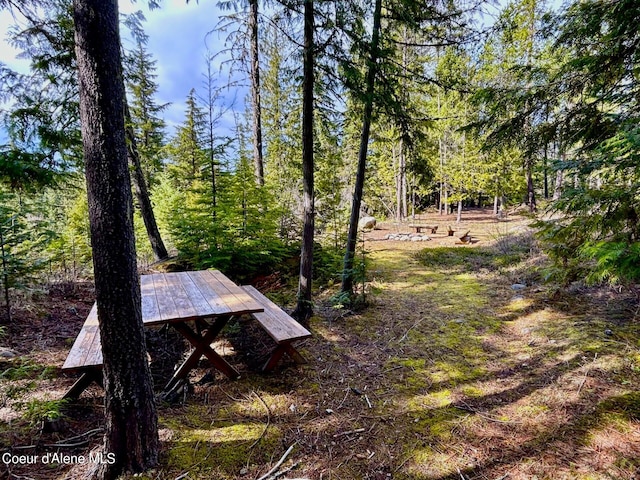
{"x": 280, "y": 326}
{"x": 202, "y": 347}
{"x": 94, "y": 355}
{"x": 150, "y": 310}
{"x": 84, "y": 342}
{"x": 208, "y": 288}
{"x": 198, "y": 301}
{"x": 92, "y": 318}
{"x": 184, "y": 306}
{"x": 238, "y": 300}
{"x": 82, "y": 346}
{"x": 78, "y": 351}
{"x": 87, "y": 378}
{"x": 164, "y": 296}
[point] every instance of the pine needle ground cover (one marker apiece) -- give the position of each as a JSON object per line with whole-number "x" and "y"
{"x": 464, "y": 365}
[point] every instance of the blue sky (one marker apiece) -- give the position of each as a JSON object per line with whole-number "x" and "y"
{"x": 177, "y": 33}
{"x": 178, "y": 41}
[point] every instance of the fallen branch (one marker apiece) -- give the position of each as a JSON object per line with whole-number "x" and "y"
{"x": 404, "y": 336}
{"x": 277, "y": 465}
{"x": 284, "y": 471}
{"x": 349, "y": 432}
{"x": 467, "y": 408}
{"x": 268, "y": 420}
{"x": 69, "y": 442}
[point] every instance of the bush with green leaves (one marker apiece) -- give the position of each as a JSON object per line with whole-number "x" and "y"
{"x": 38, "y": 411}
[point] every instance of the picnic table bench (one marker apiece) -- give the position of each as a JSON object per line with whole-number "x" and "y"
{"x": 85, "y": 356}
{"x": 283, "y": 329}
{"x": 418, "y": 228}
{"x": 207, "y": 298}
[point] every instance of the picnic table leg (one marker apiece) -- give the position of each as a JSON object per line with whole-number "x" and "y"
{"x": 279, "y": 352}
{"x": 89, "y": 376}
{"x": 202, "y": 346}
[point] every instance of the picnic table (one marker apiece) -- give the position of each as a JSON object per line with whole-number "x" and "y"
{"x": 418, "y": 227}
{"x": 206, "y": 298}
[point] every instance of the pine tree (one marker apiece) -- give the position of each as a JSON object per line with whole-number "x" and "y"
{"x": 131, "y": 420}
{"x": 146, "y": 120}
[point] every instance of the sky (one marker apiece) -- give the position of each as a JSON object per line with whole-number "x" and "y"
{"x": 177, "y": 33}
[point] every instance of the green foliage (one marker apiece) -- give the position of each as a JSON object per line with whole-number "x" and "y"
{"x": 21, "y": 170}
{"x": 327, "y": 264}
{"x": 27, "y": 370}
{"x": 43, "y": 118}
{"x": 614, "y": 261}
{"x": 148, "y": 125}
{"x": 38, "y": 411}
{"x": 68, "y": 214}
{"x": 24, "y": 235}
{"x": 230, "y": 227}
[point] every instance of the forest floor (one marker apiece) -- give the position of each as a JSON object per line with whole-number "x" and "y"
{"x": 464, "y": 365}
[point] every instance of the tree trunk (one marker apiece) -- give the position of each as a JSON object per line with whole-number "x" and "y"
{"x": 446, "y": 200}
{"x": 557, "y": 191}
{"x": 255, "y": 93}
{"x": 5, "y": 280}
{"x": 304, "y": 308}
{"x": 459, "y": 217}
{"x": 531, "y": 193}
{"x": 398, "y": 175}
{"x": 546, "y": 174}
{"x": 403, "y": 181}
{"x": 142, "y": 192}
{"x": 131, "y": 421}
{"x": 352, "y": 238}
{"x": 495, "y": 204}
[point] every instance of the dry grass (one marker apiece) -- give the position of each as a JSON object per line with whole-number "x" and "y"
{"x": 448, "y": 374}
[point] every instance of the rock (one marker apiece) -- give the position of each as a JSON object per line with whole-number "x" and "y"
{"x": 8, "y": 353}
{"x": 517, "y": 298}
{"x": 368, "y": 223}
{"x": 608, "y": 332}
{"x": 518, "y": 286}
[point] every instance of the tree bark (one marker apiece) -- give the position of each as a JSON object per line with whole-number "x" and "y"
{"x": 142, "y": 192}
{"x": 403, "y": 181}
{"x": 531, "y": 192}
{"x": 255, "y": 93}
{"x": 130, "y": 411}
{"x": 557, "y": 190}
{"x": 304, "y": 308}
{"x": 352, "y": 238}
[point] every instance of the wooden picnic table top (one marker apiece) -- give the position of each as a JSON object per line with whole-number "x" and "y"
{"x": 184, "y": 296}
{"x": 169, "y": 298}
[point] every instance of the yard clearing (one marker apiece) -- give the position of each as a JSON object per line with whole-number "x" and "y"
{"x": 463, "y": 366}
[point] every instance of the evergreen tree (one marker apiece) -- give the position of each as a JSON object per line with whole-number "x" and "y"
{"x": 251, "y": 55}
{"x": 187, "y": 149}
{"x": 304, "y": 308}
{"x": 595, "y": 91}
{"x": 146, "y": 120}
{"x": 131, "y": 420}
